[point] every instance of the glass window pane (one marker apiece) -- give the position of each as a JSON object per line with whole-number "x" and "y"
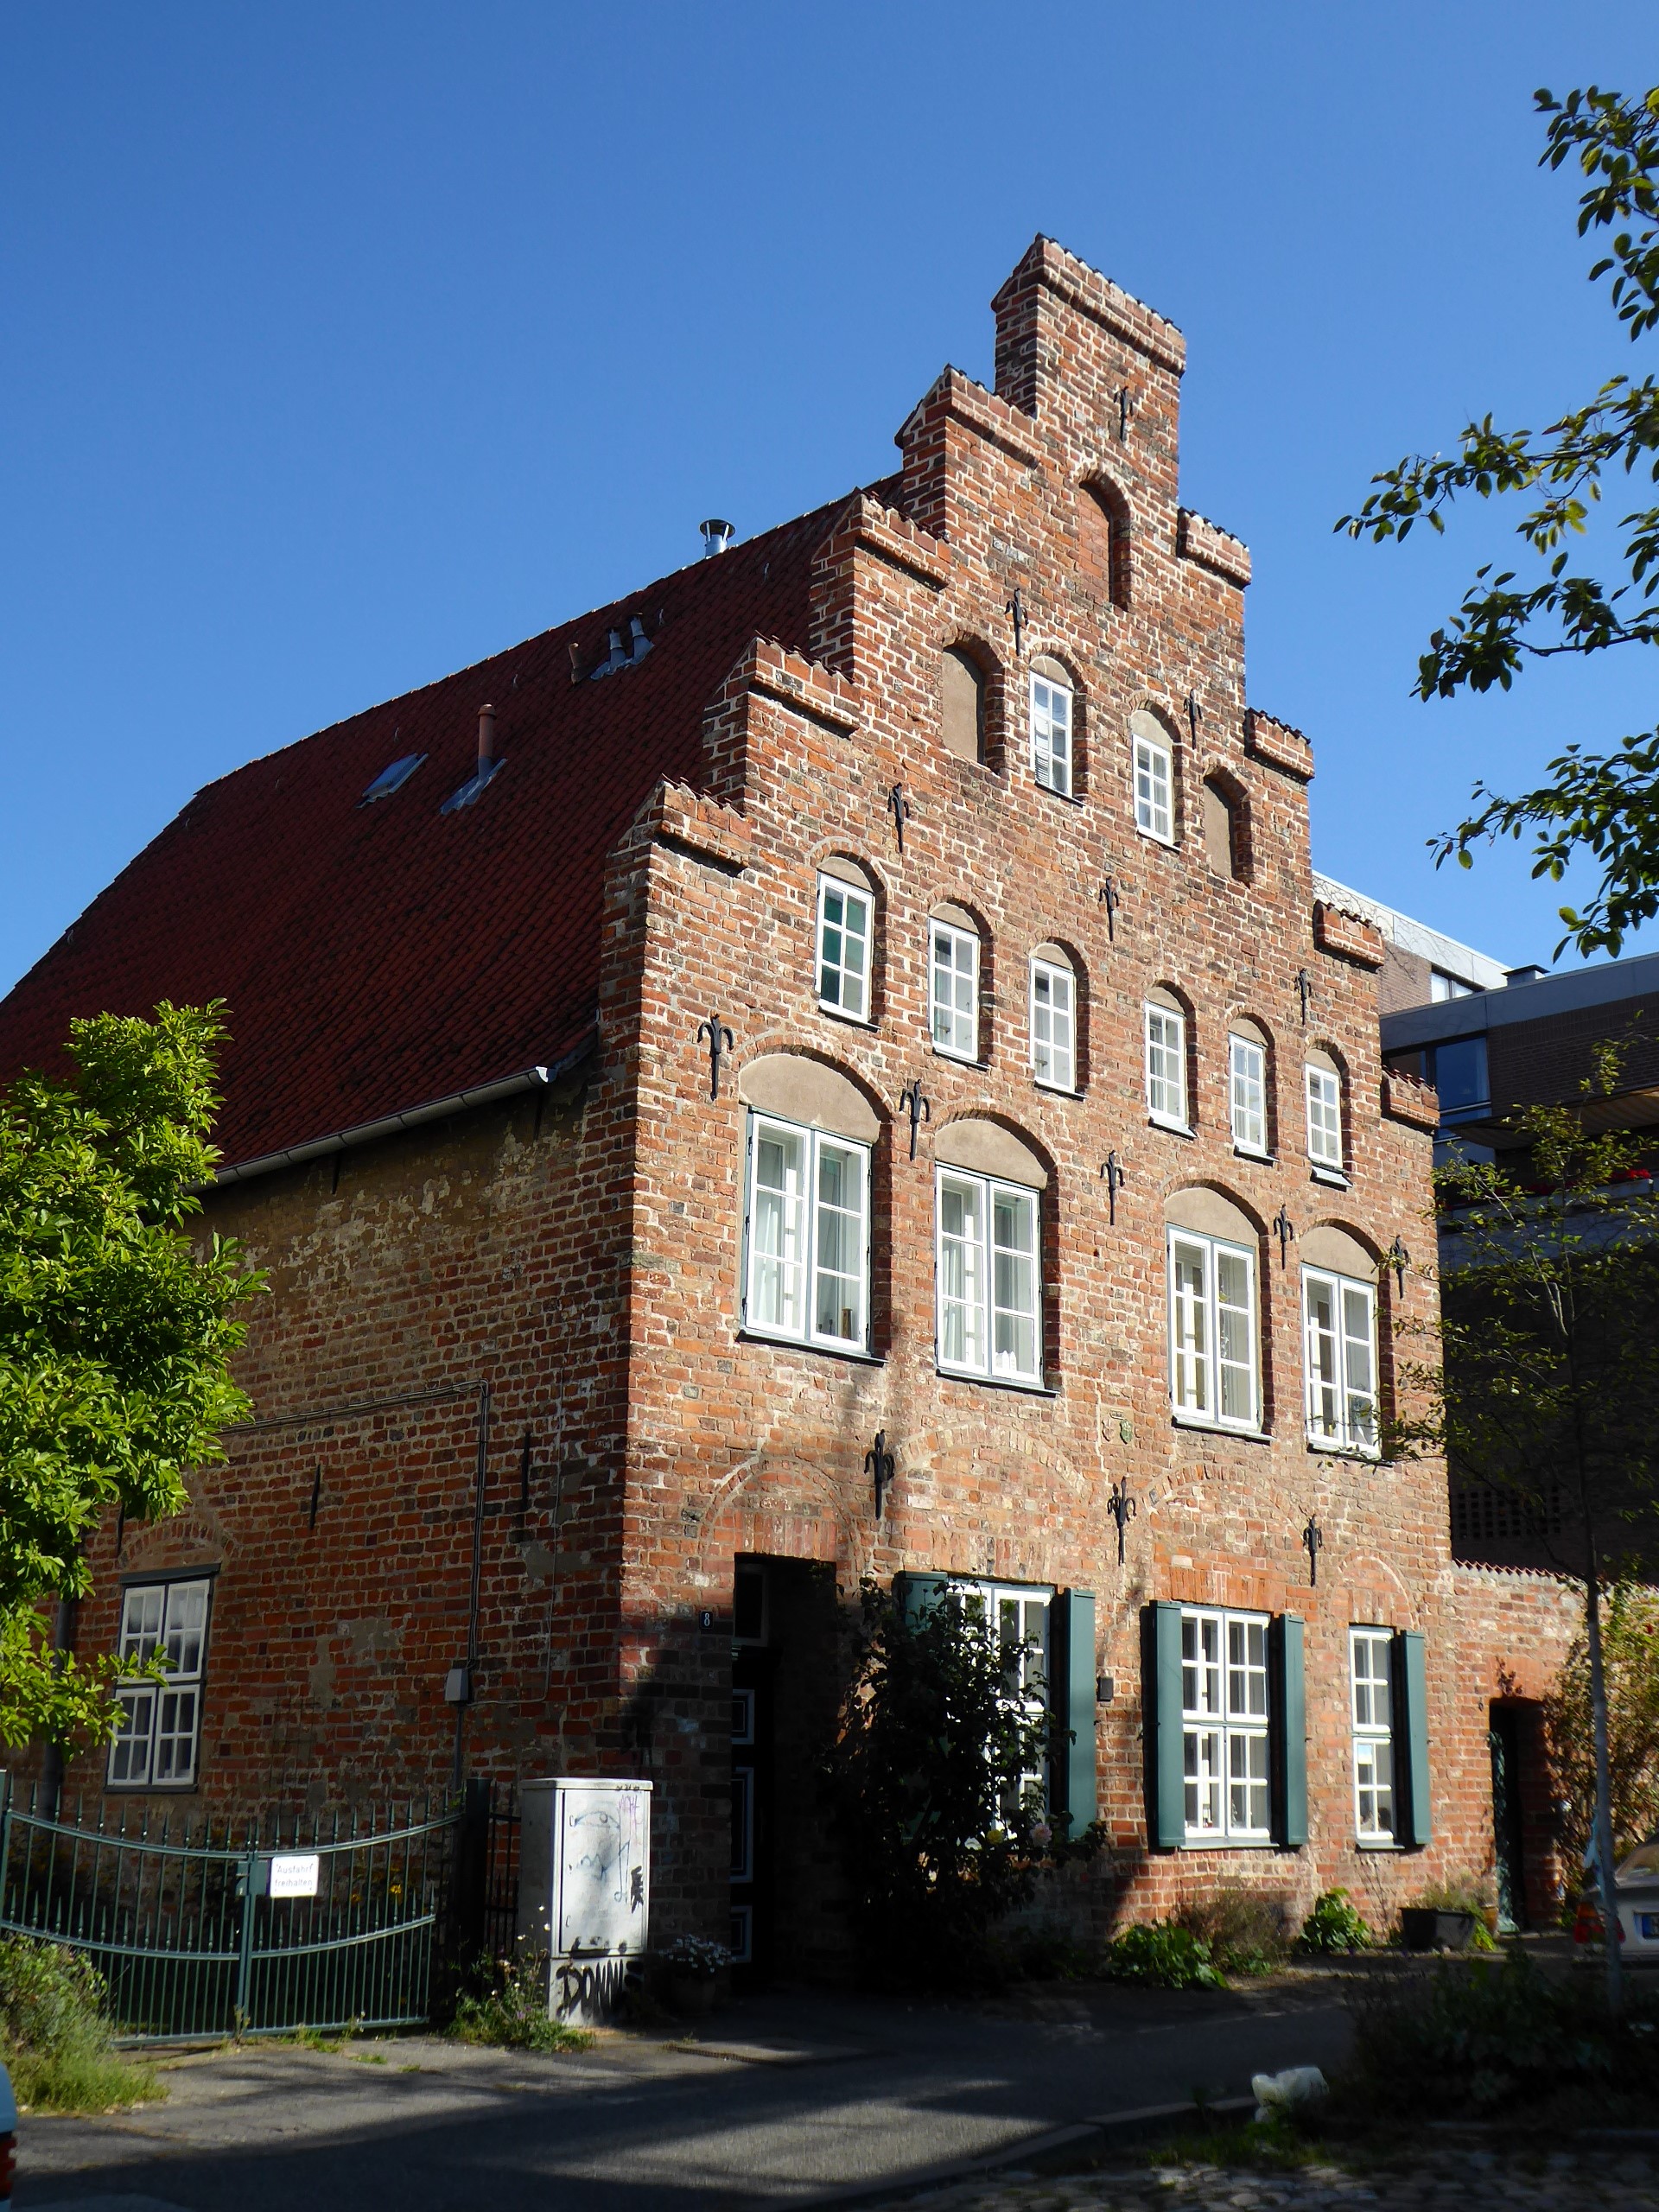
{"x": 129, "y": 1752}
{"x": 1236, "y": 1335}
{"x": 1360, "y": 1361}
{"x": 1166, "y": 1069}
{"x": 1051, "y": 733}
{"x": 1052, "y": 1053}
{"x": 1248, "y": 1070}
{"x": 842, "y": 1242}
{"x": 843, "y": 948}
{"x": 1152, "y": 782}
{"x": 1014, "y": 1233}
{"x": 961, "y": 1273}
{"x": 1189, "y": 1365}
{"x": 1324, "y": 1117}
{"x": 954, "y": 991}
{"x": 1319, "y": 1294}
{"x": 777, "y": 1230}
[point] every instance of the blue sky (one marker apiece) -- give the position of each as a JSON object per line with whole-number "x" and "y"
{"x": 345, "y": 344}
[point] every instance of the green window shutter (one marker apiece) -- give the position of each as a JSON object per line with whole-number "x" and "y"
{"x": 1290, "y": 1731}
{"x": 1160, "y": 1702}
{"x": 918, "y": 1593}
{"x": 1414, "y": 1815}
{"x": 1072, "y": 1699}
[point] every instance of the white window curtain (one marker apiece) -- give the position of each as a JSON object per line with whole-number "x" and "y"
{"x": 843, "y": 948}
{"x": 954, "y": 991}
{"x": 1247, "y": 1071}
{"x": 1212, "y": 1331}
{"x": 1325, "y": 1118}
{"x": 1051, "y": 733}
{"x": 1053, "y": 1025}
{"x": 1224, "y": 1725}
{"x": 1371, "y": 1657}
{"x": 988, "y": 1278}
{"x": 1339, "y": 1338}
{"x": 1153, "y": 814}
{"x": 1166, "y": 1066}
{"x": 809, "y": 1258}
{"x": 160, "y": 1722}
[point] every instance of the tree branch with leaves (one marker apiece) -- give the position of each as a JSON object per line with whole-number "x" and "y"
{"x": 1602, "y": 803}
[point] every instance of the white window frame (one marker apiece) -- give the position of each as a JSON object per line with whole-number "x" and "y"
{"x": 800, "y": 1244}
{"x": 1159, "y": 1083}
{"x": 1226, "y": 1741}
{"x": 952, "y": 1018}
{"x": 1371, "y": 1714}
{"x": 1053, "y": 1025}
{"x": 838, "y": 971}
{"x": 159, "y": 1745}
{"x": 1009, "y": 1608}
{"x": 1323, "y": 1092}
{"x": 1246, "y": 1094}
{"x": 1339, "y": 1363}
{"x": 974, "y": 1260}
{"x": 1053, "y": 733}
{"x": 1204, "y": 1329}
{"x": 1153, "y": 780}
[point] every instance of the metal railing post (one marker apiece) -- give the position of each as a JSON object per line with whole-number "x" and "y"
{"x": 245, "y": 1950}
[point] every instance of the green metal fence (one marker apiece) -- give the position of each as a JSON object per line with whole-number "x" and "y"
{"x": 177, "y": 1913}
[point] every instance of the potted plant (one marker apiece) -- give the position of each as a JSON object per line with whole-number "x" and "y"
{"x": 1445, "y": 1916}
{"x": 692, "y": 1967}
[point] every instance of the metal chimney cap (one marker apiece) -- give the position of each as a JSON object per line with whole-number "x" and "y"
{"x": 716, "y": 535}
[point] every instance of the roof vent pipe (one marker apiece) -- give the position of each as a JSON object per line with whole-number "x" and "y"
{"x": 716, "y": 536}
{"x": 485, "y": 738}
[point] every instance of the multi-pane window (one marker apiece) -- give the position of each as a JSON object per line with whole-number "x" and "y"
{"x": 1247, "y": 1078}
{"x": 808, "y": 1236}
{"x": 1339, "y": 1332}
{"x": 1212, "y": 1353}
{"x": 1224, "y": 1725}
{"x": 1053, "y": 1025}
{"x": 1325, "y": 1118}
{"x": 1051, "y": 733}
{"x": 1154, "y": 810}
{"x": 987, "y": 1270}
{"x": 1166, "y": 1066}
{"x": 843, "y": 948}
{"x": 161, "y": 1721}
{"x": 953, "y": 991}
{"x": 1371, "y": 1656}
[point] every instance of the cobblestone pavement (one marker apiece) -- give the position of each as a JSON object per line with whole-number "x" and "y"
{"x": 1472, "y": 2181}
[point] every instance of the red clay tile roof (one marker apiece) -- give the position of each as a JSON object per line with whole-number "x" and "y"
{"x": 377, "y": 957}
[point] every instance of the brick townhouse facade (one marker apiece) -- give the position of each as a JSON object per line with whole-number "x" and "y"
{"x": 849, "y": 1075}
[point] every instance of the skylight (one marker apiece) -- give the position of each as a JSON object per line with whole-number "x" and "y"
{"x": 393, "y": 778}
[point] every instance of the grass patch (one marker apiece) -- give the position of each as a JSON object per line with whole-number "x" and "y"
{"x": 55, "y": 2036}
{"x": 1268, "y": 2145}
{"x": 510, "y": 2012}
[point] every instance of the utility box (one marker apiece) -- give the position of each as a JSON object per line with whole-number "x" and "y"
{"x": 584, "y": 1888}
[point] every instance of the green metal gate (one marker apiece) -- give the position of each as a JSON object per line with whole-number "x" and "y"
{"x": 179, "y": 1917}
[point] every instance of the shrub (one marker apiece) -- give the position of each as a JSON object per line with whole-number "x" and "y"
{"x": 509, "y": 2009}
{"x": 1457, "y": 2039}
{"x": 1245, "y": 1932}
{"x": 55, "y": 2033}
{"x": 940, "y": 1828}
{"x": 1165, "y": 1954}
{"x": 1336, "y": 1924}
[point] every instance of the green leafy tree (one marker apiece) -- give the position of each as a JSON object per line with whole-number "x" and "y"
{"x": 114, "y": 1331}
{"x": 1604, "y": 803}
{"x": 933, "y": 1782}
{"x": 1630, "y": 1658}
{"x": 1545, "y": 1385}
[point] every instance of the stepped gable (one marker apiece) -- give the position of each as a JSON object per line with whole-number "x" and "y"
{"x": 375, "y": 958}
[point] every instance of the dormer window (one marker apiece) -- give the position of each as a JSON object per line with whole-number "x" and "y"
{"x": 1053, "y": 719}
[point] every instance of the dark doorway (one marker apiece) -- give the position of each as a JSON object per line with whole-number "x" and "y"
{"x": 1508, "y": 1820}
{"x": 784, "y": 1690}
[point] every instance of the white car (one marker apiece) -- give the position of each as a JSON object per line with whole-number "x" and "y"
{"x": 1635, "y": 1890}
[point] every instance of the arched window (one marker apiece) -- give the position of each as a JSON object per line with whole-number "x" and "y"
{"x": 988, "y": 1248}
{"x": 1248, "y": 1091}
{"x": 962, "y": 705}
{"x": 1339, "y": 1341}
{"x": 1214, "y": 1339}
{"x": 846, "y": 938}
{"x": 1322, "y": 1077}
{"x": 1152, "y": 769}
{"x": 1053, "y": 727}
{"x": 806, "y": 1263}
{"x": 953, "y": 983}
{"x": 1056, "y": 1041}
{"x": 1166, "y": 1071}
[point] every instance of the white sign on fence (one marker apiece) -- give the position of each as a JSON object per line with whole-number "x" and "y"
{"x": 293, "y": 1874}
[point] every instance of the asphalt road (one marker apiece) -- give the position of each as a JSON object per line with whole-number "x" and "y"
{"x": 785, "y": 2099}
